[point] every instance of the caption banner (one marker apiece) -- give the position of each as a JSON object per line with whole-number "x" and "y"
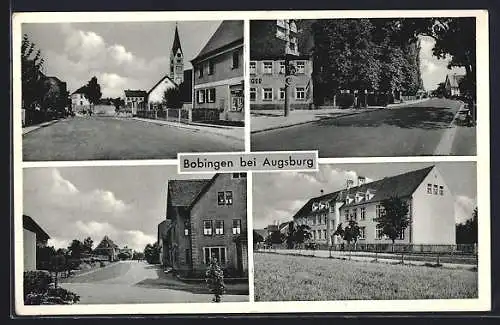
{"x": 242, "y": 162}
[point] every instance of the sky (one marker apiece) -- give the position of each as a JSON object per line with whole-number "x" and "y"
{"x": 124, "y": 202}
{"x": 122, "y": 55}
{"x": 291, "y": 190}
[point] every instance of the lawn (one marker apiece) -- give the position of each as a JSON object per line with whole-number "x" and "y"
{"x": 301, "y": 278}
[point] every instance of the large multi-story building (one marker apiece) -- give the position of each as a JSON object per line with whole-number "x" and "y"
{"x": 431, "y": 209}
{"x": 206, "y": 218}
{"x": 218, "y": 75}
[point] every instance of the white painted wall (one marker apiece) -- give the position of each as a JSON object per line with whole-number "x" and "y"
{"x": 29, "y": 243}
{"x": 156, "y": 95}
{"x": 433, "y": 215}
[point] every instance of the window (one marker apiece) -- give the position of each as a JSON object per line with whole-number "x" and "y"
{"x": 219, "y": 227}
{"x": 186, "y": 228}
{"x": 268, "y": 67}
{"x": 210, "y": 95}
{"x": 236, "y": 226}
{"x": 441, "y": 190}
{"x": 362, "y": 232}
{"x": 354, "y": 214}
{"x": 253, "y": 67}
{"x": 401, "y": 235}
{"x": 362, "y": 213}
{"x": 236, "y": 59}
{"x": 200, "y": 71}
{"x": 282, "y": 67}
{"x": 229, "y": 197}
{"x": 267, "y": 94}
{"x": 314, "y": 234}
{"x": 435, "y": 189}
{"x": 253, "y": 94}
{"x": 324, "y": 234}
{"x": 221, "y": 198}
{"x": 200, "y": 96}
{"x": 379, "y": 233}
{"x": 301, "y": 67}
{"x": 346, "y": 215}
{"x": 429, "y": 188}
{"x": 211, "y": 67}
{"x": 207, "y": 227}
{"x": 282, "y": 93}
{"x": 300, "y": 93}
{"x": 379, "y": 210}
{"x": 218, "y": 253}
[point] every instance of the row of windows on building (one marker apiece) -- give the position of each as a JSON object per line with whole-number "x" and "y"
{"x": 209, "y": 66}
{"x": 217, "y": 252}
{"x": 435, "y": 189}
{"x": 267, "y": 94}
{"x": 321, "y": 234}
{"x": 268, "y": 67}
{"x": 211, "y": 227}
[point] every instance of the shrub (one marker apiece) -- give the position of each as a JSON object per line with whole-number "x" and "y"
{"x": 38, "y": 290}
{"x": 345, "y": 100}
{"x": 215, "y": 280}
{"x": 36, "y": 282}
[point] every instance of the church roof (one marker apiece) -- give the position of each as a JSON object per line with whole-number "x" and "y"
{"x": 177, "y": 43}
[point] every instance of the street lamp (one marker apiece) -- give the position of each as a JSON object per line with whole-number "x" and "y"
{"x": 286, "y": 30}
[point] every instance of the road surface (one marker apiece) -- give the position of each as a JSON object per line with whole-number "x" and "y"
{"x": 423, "y": 128}
{"x": 97, "y": 138}
{"x": 129, "y": 282}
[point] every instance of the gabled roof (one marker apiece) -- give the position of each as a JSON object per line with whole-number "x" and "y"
{"x": 135, "y": 93}
{"x": 80, "y": 90}
{"x": 454, "y": 79}
{"x": 177, "y": 43}
{"x": 106, "y": 243}
{"x": 229, "y": 32}
{"x": 31, "y": 225}
{"x": 272, "y": 228}
{"x": 159, "y": 82}
{"x": 185, "y": 192}
{"x": 262, "y": 232}
{"x": 402, "y": 185}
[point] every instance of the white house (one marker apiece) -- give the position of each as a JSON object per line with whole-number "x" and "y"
{"x": 155, "y": 95}
{"x": 431, "y": 209}
{"x": 79, "y": 102}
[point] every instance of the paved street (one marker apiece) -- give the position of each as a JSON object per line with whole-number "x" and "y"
{"x": 96, "y": 138}
{"x": 132, "y": 282}
{"x": 417, "y": 129}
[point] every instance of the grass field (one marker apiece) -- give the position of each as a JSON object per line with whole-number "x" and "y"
{"x": 298, "y": 278}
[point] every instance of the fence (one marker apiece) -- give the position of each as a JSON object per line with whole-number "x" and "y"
{"x": 205, "y": 114}
{"x": 411, "y": 248}
{"x": 168, "y": 114}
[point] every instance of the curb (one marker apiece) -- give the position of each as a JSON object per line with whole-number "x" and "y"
{"x": 306, "y": 122}
{"x": 448, "y": 136}
{"x": 190, "y": 127}
{"x": 42, "y": 125}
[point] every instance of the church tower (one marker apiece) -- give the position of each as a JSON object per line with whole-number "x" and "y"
{"x": 176, "y": 60}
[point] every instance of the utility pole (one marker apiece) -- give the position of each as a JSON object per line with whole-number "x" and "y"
{"x": 284, "y": 32}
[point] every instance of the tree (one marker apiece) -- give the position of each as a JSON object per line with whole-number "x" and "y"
{"x": 117, "y": 103}
{"x": 172, "y": 98}
{"x": 87, "y": 245}
{"x": 352, "y": 232}
{"x": 467, "y": 232}
{"x": 290, "y": 236}
{"x": 31, "y": 72}
{"x": 302, "y": 234}
{"x": 214, "y": 277}
{"x": 394, "y": 219}
{"x": 275, "y": 237}
{"x": 76, "y": 249}
{"x": 92, "y": 91}
{"x": 257, "y": 238}
{"x": 152, "y": 253}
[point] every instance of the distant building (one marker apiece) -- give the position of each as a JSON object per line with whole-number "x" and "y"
{"x": 218, "y": 75}
{"x": 452, "y": 85}
{"x": 135, "y": 100}
{"x": 107, "y": 248}
{"x": 431, "y": 209}
{"x": 33, "y": 236}
{"x": 79, "y": 103}
{"x": 206, "y": 218}
{"x": 156, "y": 94}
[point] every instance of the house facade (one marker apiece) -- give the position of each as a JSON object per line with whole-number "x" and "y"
{"x": 155, "y": 95}
{"x": 267, "y": 83}
{"x": 79, "y": 103}
{"x": 33, "y": 236}
{"x": 452, "y": 85}
{"x": 218, "y": 82}
{"x": 107, "y": 248}
{"x": 206, "y": 219}
{"x": 135, "y": 100}
{"x": 431, "y": 209}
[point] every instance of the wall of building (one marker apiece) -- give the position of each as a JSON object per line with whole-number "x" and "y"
{"x": 223, "y": 67}
{"x": 433, "y": 215}
{"x": 156, "y": 94}
{"x": 79, "y": 102}
{"x": 29, "y": 243}
{"x": 276, "y": 81}
{"x": 207, "y": 208}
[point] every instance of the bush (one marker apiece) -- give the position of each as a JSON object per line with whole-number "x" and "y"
{"x": 36, "y": 282}
{"x": 345, "y": 100}
{"x": 38, "y": 290}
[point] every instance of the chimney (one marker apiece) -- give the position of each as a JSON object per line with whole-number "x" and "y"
{"x": 361, "y": 180}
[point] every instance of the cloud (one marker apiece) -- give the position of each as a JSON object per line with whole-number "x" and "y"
{"x": 120, "y": 54}
{"x": 464, "y": 206}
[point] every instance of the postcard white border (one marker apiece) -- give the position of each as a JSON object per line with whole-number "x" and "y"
{"x": 482, "y": 303}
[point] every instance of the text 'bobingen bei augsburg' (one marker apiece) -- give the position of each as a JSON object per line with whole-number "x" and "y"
{"x": 241, "y": 162}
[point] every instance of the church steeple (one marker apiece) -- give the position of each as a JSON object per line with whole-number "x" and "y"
{"x": 177, "y": 59}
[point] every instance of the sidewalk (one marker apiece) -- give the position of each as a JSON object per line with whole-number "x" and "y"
{"x": 237, "y": 133}
{"x": 31, "y": 128}
{"x": 265, "y": 120}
